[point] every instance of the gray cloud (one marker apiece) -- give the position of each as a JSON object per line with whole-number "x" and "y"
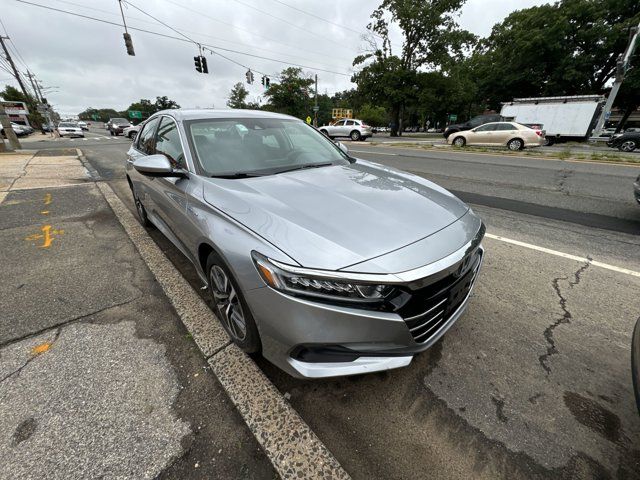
{"x": 88, "y": 61}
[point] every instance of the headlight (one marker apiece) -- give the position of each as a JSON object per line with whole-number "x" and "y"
{"x": 300, "y": 283}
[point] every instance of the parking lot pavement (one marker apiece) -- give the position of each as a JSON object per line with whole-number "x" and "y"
{"x": 98, "y": 376}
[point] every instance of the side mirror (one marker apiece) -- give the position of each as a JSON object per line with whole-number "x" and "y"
{"x": 343, "y": 147}
{"x": 156, "y": 166}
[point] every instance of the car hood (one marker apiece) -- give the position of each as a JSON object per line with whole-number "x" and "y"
{"x": 336, "y": 216}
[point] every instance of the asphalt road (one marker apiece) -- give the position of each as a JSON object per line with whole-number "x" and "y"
{"x": 534, "y": 380}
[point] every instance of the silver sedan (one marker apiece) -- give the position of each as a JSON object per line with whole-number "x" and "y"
{"x": 327, "y": 264}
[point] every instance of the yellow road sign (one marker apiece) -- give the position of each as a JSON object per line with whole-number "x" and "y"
{"x": 309, "y": 120}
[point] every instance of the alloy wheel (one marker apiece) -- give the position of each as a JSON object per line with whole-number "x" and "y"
{"x": 628, "y": 146}
{"x": 459, "y": 142}
{"x": 228, "y": 303}
{"x": 515, "y": 144}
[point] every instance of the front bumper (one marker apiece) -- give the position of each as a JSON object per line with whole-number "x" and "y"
{"x": 308, "y": 339}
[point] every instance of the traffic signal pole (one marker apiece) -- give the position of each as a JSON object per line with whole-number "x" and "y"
{"x": 315, "y": 106}
{"x": 622, "y": 66}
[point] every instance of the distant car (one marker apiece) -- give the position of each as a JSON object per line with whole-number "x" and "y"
{"x": 117, "y": 125}
{"x": 510, "y": 134}
{"x": 473, "y": 123}
{"x": 131, "y": 132}
{"x": 348, "y": 127}
{"x": 19, "y": 130}
{"x": 69, "y": 129}
{"x": 50, "y": 127}
{"x": 627, "y": 142}
{"x": 608, "y": 132}
{"x": 83, "y": 125}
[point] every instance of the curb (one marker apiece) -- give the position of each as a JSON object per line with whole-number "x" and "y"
{"x": 292, "y": 447}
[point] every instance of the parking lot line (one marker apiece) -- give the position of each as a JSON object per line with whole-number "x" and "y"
{"x": 577, "y": 258}
{"x": 292, "y": 447}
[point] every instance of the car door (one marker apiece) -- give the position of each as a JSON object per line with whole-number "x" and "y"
{"x": 335, "y": 129}
{"x": 503, "y": 133}
{"x": 482, "y": 135}
{"x": 349, "y": 126}
{"x": 170, "y": 193}
{"x": 143, "y": 145}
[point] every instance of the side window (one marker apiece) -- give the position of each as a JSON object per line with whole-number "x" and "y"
{"x": 505, "y": 126}
{"x": 489, "y": 127}
{"x": 145, "y": 141}
{"x": 168, "y": 143}
{"x": 350, "y": 123}
{"x": 339, "y": 123}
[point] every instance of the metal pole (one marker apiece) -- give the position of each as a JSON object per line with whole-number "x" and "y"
{"x": 626, "y": 57}
{"x": 14, "y": 143}
{"x": 315, "y": 110}
{"x": 13, "y": 66}
{"x": 33, "y": 85}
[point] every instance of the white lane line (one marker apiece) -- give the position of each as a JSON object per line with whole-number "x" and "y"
{"x": 375, "y": 153}
{"x": 595, "y": 263}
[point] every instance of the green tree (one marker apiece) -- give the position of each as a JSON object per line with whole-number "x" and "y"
{"x": 291, "y": 95}
{"x": 164, "y": 103}
{"x": 431, "y": 39}
{"x": 238, "y": 96}
{"x": 567, "y": 48}
{"x": 373, "y": 115}
{"x": 13, "y": 94}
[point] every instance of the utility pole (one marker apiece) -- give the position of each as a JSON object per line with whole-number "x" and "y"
{"x": 33, "y": 85}
{"x": 14, "y": 144}
{"x": 622, "y": 66}
{"x": 315, "y": 106}
{"x": 13, "y": 65}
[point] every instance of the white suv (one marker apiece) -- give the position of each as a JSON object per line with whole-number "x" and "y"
{"x": 347, "y": 127}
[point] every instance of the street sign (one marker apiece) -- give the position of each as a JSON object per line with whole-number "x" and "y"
{"x": 316, "y": 108}
{"x": 135, "y": 114}
{"x": 308, "y": 120}
{"x": 15, "y": 108}
{"x": 453, "y": 117}
{"x": 341, "y": 113}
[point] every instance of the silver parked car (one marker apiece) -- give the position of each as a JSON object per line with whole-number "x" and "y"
{"x": 348, "y": 128}
{"x": 327, "y": 264}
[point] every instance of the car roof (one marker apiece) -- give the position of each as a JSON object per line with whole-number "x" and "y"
{"x": 182, "y": 114}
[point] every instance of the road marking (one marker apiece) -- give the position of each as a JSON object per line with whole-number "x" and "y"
{"x": 577, "y": 258}
{"x": 47, "y": 236}
{"x": 292, "y": 447}
{"x": 47, "y": 199}
{"x": 375, "y": 153}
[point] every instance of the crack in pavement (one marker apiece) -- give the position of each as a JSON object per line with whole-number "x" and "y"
{"x": 566, "y": 314}
{"x": 67, "y": 322}
{"x": 564, "y": 175}
{"x": 32, "y": 358}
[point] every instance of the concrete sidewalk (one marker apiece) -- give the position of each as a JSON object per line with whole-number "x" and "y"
{"x": 98, "y": 376}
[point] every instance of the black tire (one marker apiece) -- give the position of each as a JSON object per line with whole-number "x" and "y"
{"x": 515, "y": 144}
{"x": 355, "y": 135}
{"x": 324, "y": 132}
{"x": 111, "y": 132}
{"x": 132, "y": 135}
{"x": 635, "y": 362}
{"x": 459, "y": 142}
{"x": 142, "y": 212}
{"x": 548, "y": 141}
{"x": 628, "y": 146}
{"x": 247, "y": 339}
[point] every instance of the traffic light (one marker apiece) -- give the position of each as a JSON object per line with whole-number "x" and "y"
{"x": 129, "y": 44}
{"x": 249, "y": 76}
{"x": 265, "y": 81}
{"x": 198, "y": 62}
{"x": 203, "y": 60}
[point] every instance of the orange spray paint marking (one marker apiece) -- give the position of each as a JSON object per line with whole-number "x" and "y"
{"x": 45, "y": 212}
{"x": 38, "y": 349}
{"x": 47, "y": 199}
{"x": 47, "y": 236}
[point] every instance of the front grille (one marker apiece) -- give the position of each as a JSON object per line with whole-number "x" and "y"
{"x": 430, "y": 307}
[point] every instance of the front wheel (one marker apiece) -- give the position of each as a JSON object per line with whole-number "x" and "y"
{"x": 142, "y": 212}
{"x": 515, "y": 144}
{"x": 355, "y": 135}
{"x": 459, "y": 142}
{"x": 628, "y": 146}
{"x": 230, "y": 306}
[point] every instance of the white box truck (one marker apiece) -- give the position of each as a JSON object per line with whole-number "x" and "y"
{"x": 563, "y": 118}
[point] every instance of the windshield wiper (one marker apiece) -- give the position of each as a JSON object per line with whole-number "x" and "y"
{"x": 237, "y": 175}
{"x": 302, "y": 167}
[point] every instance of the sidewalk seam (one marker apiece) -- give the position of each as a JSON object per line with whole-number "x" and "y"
{"x": 292, "y": 447}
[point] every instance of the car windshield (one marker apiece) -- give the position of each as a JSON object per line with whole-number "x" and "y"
{"x": 67, "y": 124}
{"x": 259, "y": 146}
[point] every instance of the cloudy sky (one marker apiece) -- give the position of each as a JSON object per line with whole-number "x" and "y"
{"x": 88, "y": 63}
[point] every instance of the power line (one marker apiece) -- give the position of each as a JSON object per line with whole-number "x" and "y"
{"x": 183, "y": 40}
{"x": 160, "y": 22}
{"x": 320, "y": 18}
{"x": 251, "y": 32}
